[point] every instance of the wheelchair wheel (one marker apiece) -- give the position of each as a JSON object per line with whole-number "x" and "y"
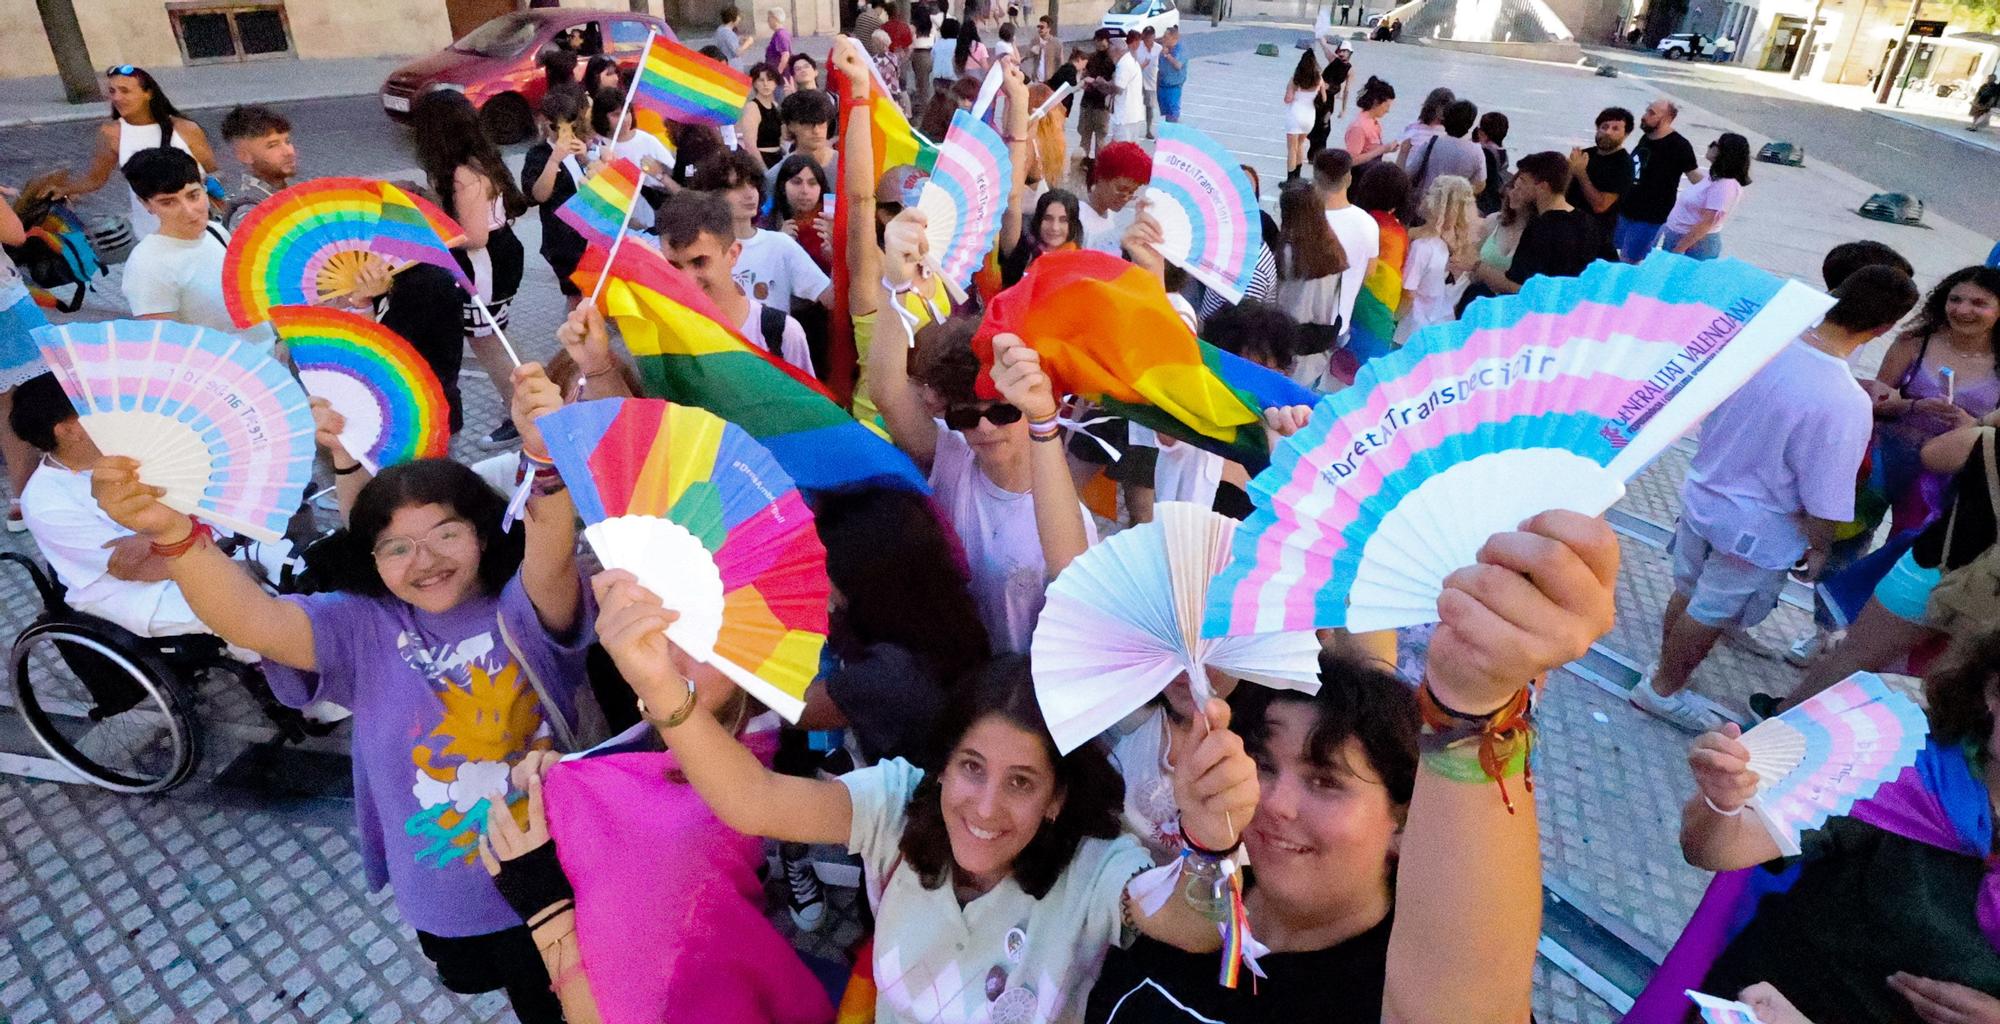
{"x": 111, "y": 712}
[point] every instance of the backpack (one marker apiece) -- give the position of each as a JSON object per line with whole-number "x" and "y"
{"x": 1967, "y": 599}
{"x": 57, "y": 252}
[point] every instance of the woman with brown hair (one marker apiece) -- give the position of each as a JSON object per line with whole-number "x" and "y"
{"x": 1310, "y": 264}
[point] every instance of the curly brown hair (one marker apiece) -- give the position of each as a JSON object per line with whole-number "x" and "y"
{"x": 945, "y": 362}
{"x": 1963, "y": 688}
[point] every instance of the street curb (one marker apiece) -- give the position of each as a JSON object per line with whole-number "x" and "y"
{"x": 96, "y": 111}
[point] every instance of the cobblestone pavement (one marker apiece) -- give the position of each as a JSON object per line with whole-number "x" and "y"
{"x": 218, "y": 903}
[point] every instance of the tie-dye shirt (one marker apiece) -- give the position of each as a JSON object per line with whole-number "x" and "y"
{"x": 441, "y": 712}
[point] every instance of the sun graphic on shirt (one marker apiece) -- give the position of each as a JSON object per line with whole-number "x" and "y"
{"x": 486, "y": 720}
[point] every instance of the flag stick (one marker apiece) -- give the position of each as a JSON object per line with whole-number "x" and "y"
{"x": 624, "y": 226}
{"x": 619, "y": 128}
{"x": 495, "y": 324}
{"x": 1054, "y": 98}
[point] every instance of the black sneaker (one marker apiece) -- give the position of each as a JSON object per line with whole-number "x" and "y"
{"x": 806, "y": 899}
{"x": 503, "y": 436}
{"x": 1763, "y": 705}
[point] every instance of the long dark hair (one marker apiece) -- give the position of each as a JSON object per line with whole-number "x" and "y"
{"x": 1056, "y": 197}
{"x": 448, "y": 136}
{"x": 158, "y": 105}
{"x": 1931, "y": 316}
{"x": 1373, "y": 92}
{"x": 1732, "y": 158}
{"x": 1960, "y": 688}
{"x": 920, "y": 18}
{"x": 1312, "y": 250}
{"x": 789, "y": 168}
{"x": 1305, "y": 74}
{"x": 425, "y": 482}
{"x": 903, "y": 579}
{"x": 1091, "y": 789}
{"x": 961, "y": 53}
{"x": 599, "y": 65}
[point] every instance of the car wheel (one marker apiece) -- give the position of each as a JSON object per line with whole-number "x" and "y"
{"x": 1676, "y": 53}
{"x": 507, "y": 119}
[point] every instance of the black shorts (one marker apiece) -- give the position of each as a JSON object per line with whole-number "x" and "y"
{"x": 492, "y": 962}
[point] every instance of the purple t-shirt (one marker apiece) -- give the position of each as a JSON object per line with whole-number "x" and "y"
{"x": 775, "y": 50}
{"x": 441, "y": 712}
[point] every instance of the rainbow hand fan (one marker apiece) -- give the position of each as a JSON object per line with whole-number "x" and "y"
{"x": 311, "y": 241}
{"x": 965, "y": 196}
{"x": 704, "y": 517}
{"x": 392, "y": 402}
{"x": 1124, "y": 619}
{"x": 1548, "y": 399}
{"x": 209, "y": 416}
{"x": 1832, "y": 751}
{"x": 1207, "y": 210}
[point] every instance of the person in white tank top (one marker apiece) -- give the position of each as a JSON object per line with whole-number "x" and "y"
{"x": 141, "y": 117}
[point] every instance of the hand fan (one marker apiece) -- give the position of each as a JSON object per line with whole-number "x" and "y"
{"x": 1723, "y": 1011}
{"x": 1833, "y": 750}
{"x": 311, "y": 241}
{"x": 392, "y": 402}
{"x": 965, "y": 196}
{"x": 1124, "y": 619}
{"x": 1548, "y": 399}
{"x": 705, "y": 518}
{"x": 1207, "y": 210}
{"x": 209, "y": 416}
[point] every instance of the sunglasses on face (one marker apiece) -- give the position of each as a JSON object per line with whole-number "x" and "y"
{"x": 966, "y": 417}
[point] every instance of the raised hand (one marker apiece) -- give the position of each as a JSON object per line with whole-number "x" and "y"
{"x": 584, "y": 336}
{"x": 632, "y": 625}
{"x": 1771, "y": 1005}
{"x": 1721, "y": 767}
{"x": 534, "y": 396}
{"x": 1215, "y": 784}
{"x": 1142, "y": 243}
{"x": 1286, "y": 420}
{"x": 851, "y": 62}
{"x": 905, "y": 248}
{"x": 134, "y": 505}
{"x": 327, "y": 425}
{"x": 1018, "y": 373}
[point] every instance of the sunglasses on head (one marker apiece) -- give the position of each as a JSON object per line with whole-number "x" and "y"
{"x": 120, "y": 69}
{"x": 966, "y": 417}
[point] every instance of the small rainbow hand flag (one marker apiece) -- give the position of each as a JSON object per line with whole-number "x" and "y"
{"x": 1374, "y": 330}
{"x": 686, "y": 355}
{"x": 603, "y": 202}
{"x": 682, "y": 85}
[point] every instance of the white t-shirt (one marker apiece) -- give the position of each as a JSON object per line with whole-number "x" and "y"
{"x": 179, "y": 278}
{"x": 1105, "y": 232}
{"x": 1002, "y": 548}
{"x": 1149, "y": 62}
{"x": 1361, "y": 239}
{"x": 642, "y": 147}
{"x": 1432, "y": 298}
{"x": 71, "y": 530}
{"x": 1711, "y": 193}
{"x": 1129, "y": 106}
{"x": 1786, "y": 445}
{"x": 792, "y": 348}
{"x": 774, "y": 269}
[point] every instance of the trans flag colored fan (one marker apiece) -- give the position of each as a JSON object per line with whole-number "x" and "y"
{"x": 1124, "y": 619}
{"x": 392, "y": 402}
{"x": 704, "y": 517}
{"x": 209, "y": 416}
{"x": 311, "y": 241}
{"x": 1207, "y": 210}
{"x": 965, "y": 196}
{"x": 1548, "y": 399}
{"x": 1723, "y": 1011}
{"x": 1833, "y": 750}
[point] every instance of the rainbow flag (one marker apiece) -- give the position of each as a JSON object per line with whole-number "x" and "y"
{"x": 602, "y": 203}
{"x": 1374, "y": 331}
{"x": 682, "y": 85}
{"x": 685, "y": 354}
{"x": 1104, "y": 330}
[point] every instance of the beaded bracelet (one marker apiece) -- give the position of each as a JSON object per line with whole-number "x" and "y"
{"x": 197, "y": 533}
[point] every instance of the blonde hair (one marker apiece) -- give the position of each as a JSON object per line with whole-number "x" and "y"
{"x": 1450, "y": 214}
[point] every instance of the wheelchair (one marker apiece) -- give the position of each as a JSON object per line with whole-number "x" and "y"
{"x": 116, "y": 708}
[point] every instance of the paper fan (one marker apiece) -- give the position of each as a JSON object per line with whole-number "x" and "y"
{"x": 1723, "y": 1011}
{"x": 392, "y": 402}
{"x": 1833, "y": 750}
{"x": 965, "y": 196}
{"x": 209, "y": 416}
{"x": 310, "y": 241}
{"x": 704, "y": 517}
{"x": 1207, "y": 210}
{"x": 1124, "y": 619}
{"x": 1548, "y": 399}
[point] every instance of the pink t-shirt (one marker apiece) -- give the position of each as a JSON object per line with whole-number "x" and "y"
{"x": 1363, "y": 134}
{"x": 1718, "y": 194}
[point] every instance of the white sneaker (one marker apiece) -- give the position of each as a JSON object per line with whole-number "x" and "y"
{"x": 1677, "y": 710}
{"x": 1808, "y": 648}
{"x": 325, "y": 712}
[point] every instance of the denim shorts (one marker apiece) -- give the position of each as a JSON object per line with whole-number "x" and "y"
{"x": 1723, "y": 591}
{"x": 1710, "y": 246}
{"x": 1906, "y": 591}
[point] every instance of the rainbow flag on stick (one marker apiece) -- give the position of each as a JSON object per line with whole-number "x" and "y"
{"x": 682, "y": 85}
{"x": 1105, "y": 331}
{"x": 603, "y": 203}
{"x": 686, "y": 355}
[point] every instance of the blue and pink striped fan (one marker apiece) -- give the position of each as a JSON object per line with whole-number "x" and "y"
{"x": 1835, "y": 749}
{"x": 1723, "y": 1011}
{"x": 965, "y": 196}
{"x": 1548, "y": 399}
{"x": 208, "y": 415}
{"x": 1207, "y": 210}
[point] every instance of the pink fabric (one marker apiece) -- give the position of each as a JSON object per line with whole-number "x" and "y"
{"x": 669, "y": 912}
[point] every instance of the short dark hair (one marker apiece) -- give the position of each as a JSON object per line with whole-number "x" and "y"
{"x": 252, "y": 121}
{"x": 714, "y": 53}
{"x": 427, "y": 482}
{"x": 1434, "y": 103}
{"x": 1261, "y": 333}
{"x": 1872, "y": 298}
{"x": 1848, "y": 257}
{"x": 159, "y": 172}
{"x": 692, "y": 212}
{"x": 1962, "y": 685}
{"x": 1382, "y": 188}
{"x": 1619, "y": 114}
{"x": 1093, "y": 792}
{"x": 1459, "y": 116}
{"x": 1732, "y": 158}
{"x": 1006, "y": 32}
{"x": 1493, "y": 125}
{"x": 765, "y": 69}
{"x": 737, "y": 167}
{"x": 1357, "y": 701}
{"x": 1373, "y": 91}
{"x": 1332, "y": 166}
{"x": 1044, "y": 19}
{"x": 728, "y": 15}
{"x": 40, "y": 406}
{"x": 945, "y": 362}
{"x": 807, "y": 106}
{"x": 604, "y": 110}
{"x": 1548, "y": 167}
{"x": 563, "y": 104}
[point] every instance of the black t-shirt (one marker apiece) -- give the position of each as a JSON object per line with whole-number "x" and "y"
{"x": 1661, "y": 163}
{"x": 1099, "y": 66}
{"x": 1559, "y": 243}
{"x": 1154, "y": 983}
{"x": 1975, "y": 530}
{"x": 1609, "y": 173}
{"x": 1065, "y": 75}
{"x": 1335, "y": 74}
{"x": 561, "y": 245}
{"x": 891, "y": 698}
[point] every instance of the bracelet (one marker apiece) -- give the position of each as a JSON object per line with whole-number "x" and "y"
{"x": 1501, "y": 741}
{"x": 346, "y": 470}
{"x": 1460, "y": 762}
{"x": 539, "y": 460}
{"x": 1727, "y": 814}
{"x": 547, "y": 481}
{"x": 568, "y": 975}
{"x": 1194, "y": 847}
{"x": 891, "y": 287}
{"x": 679, "y": 716}
{"x": 550, "y": 913}
{"x": 198, "y": 532}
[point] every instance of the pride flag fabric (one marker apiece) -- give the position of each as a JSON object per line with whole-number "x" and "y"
{"x": 601, "y": 205}
{"x": 1105, "y": 331}
{"x": 682, "y": 85}
{"x": 685, "y": 354}
{"x": 1374, "y": 331}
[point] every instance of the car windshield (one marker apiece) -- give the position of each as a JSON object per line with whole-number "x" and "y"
{"x": 502, "y": 37}
{"x": 1130, "y": 7}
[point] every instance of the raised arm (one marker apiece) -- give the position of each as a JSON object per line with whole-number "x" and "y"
{"x": 349, "y": 476}
{"x": 1016, "y": 89}
{"x": 530, "y": 878}
{"x": 1216, "y": 790}
{"x": 548, "y": 565}
{"x": 1535, "y": 600}
{"x": 584, "y": 337}
{"x": 887, "y": 375}
{"x": 103, "y": 164}
{"x": 857, "y": 181}
{"x": 748, "y": 797}
{"x": 197, "y": 143}
{"x": 1017, "y": 372}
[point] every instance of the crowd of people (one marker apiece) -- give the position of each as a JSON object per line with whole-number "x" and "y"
{"x": 1389, "y": 877}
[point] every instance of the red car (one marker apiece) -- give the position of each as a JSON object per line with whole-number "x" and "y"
{"x": 495, "y": 64}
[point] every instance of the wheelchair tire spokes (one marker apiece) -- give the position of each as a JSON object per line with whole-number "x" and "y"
{"x": 111, "y": 712}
